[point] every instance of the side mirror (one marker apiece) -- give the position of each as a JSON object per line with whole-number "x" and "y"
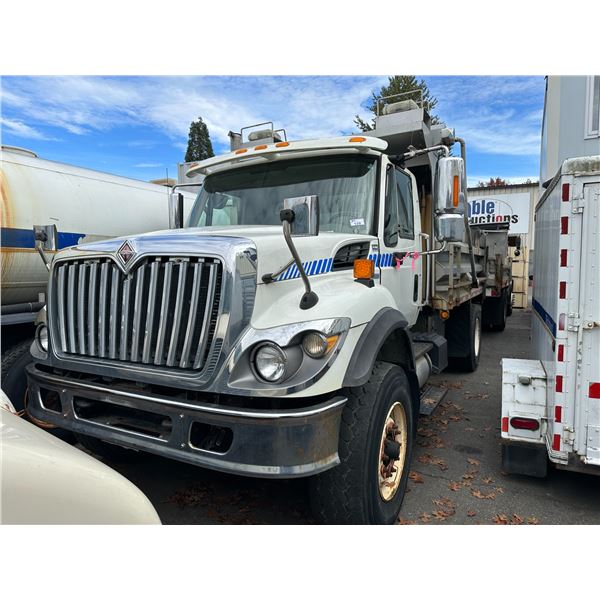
{"x": 46, "y": 238}
{"x": 450, "y": 200}
{"x": 305, "y": 220}
{"x": 175, "y": 210}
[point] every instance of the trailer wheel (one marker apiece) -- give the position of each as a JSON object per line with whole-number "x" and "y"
{"x": 111, "y": 452}
{"x": 463, "y": 332}
{"x": 375, "y": 448}
{"x": 14, "y": 380}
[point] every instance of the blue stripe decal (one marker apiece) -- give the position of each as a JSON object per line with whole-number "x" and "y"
{"x": 311, "y": 267}
{"x": 23, "y": 238}
{"x": 546, "y": 318}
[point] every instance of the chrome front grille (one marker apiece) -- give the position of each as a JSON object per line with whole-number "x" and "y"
{"x": 162, "y": 313}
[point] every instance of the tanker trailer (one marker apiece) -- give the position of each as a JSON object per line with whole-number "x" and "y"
{"x": 83, "y": 205}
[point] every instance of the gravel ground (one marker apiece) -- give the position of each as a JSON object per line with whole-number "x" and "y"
{"x": 455, "y": 477}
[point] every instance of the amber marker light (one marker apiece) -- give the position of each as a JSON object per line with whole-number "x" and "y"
{"x": 455, "y": 192}
{"x": 260, "y": 147}
{"x": 444, "y": 314}
{"x": 241, "y": 151}
{"x": 281, "y": 144}
{"x": 364, "y": 268}
{"x": 357, "y": 139}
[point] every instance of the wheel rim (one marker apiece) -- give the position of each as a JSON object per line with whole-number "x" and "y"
{"x": 394, "y": 440}
{"x": 477, "y": 341}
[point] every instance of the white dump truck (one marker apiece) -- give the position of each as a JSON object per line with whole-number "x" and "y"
{"x": 290, "y": 328}
{"x": 70, "y": 205}
{"x": 551, "y": 403}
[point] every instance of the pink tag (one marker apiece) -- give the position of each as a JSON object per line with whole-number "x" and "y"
{"x": 415, "y": 256}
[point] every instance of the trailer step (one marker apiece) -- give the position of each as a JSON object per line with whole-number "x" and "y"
{"x": 431, "y": 396}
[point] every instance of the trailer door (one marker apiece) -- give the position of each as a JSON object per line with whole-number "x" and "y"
{"x": 589, "y": 385}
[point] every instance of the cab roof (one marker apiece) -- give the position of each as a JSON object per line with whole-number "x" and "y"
{"x": 274, "y": 150}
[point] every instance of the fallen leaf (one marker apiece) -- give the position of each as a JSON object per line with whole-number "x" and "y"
{"x": 454, "y": 486}
{"x": 479, "y": 494}
{"x": 442, "y": 515}
{"x": 500, "y": 520}
{"x": 487, "y": 480}
{"x": 533, "y": 521}
{"x": 425, "y": 459}
{"x": 468, "y": 476}
{"x": 500, "y": 490}
{"x": 402, "y": 521}
{"x": 444, "y": 502}
{"x": 439, "y": 463}
{"x": 471, "y": 513}
{"x": 416, "y": 477}
{"x": 473, "y": 461}
{"x": 425, "y": 518}
{"x": 517, "y": 520}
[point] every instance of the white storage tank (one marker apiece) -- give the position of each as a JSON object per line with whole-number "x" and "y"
{"x": 85, "y": 205}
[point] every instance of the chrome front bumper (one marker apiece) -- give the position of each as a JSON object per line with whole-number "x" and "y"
{"x": 283, "y": 443}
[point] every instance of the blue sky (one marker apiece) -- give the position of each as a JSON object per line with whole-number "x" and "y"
{"x": 138, "y": 126}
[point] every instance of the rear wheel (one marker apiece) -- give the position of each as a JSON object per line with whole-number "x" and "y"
{"x": 463, "y": 332}
{"x": 375, "y": 448}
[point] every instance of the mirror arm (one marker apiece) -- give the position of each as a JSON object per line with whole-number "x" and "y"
{"x": 270, "y": 277}
{"x": 40, "y": 249}
{"x": 309, "y": 298}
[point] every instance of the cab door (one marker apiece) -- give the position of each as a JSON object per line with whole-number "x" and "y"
{"x": 399, "y": 239}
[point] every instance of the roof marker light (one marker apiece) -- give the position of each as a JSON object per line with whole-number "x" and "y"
{"x": 260, "y": 147}
{"x": 241, "y": 151}
{"x": 357, "y": 139}
{"x": 281, "y": 144}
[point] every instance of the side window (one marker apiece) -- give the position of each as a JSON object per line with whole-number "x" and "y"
{"x": 390, "y": 223}
{"x": 399, "y": 217}
{"x": 406, "y": 223}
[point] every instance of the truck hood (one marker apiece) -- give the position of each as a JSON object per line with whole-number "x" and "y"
{"x": 316, "y": 252}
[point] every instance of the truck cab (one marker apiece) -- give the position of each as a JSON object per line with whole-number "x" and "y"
{"x": 288, "y": 329}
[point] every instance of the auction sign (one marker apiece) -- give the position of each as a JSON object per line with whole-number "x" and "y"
{"x": 501, "y": 208}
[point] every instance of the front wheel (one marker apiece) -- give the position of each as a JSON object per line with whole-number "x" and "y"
{"x": 375, "y": 448}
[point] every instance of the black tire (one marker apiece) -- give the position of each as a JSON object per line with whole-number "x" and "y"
{"x": 14, "y": 380}
{"x": 509, "y": 306}
{"x": 463, "y": 332}
{"x": 106, "y": 450}
{"x": 349, "y": 493}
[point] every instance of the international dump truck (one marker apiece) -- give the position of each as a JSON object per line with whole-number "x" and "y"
{"x": 289, "y": 329}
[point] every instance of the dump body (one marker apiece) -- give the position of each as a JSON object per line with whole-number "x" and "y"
{"x": 566, "y": 324}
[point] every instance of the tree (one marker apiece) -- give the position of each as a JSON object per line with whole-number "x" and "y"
{"x": 199, "y": 144}
{"x": 493, "y": 182}
{"x": 400, "y": 84}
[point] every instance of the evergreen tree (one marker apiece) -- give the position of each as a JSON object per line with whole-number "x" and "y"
{"x": 199, "y": 144}
{"x": 400, "y": 84}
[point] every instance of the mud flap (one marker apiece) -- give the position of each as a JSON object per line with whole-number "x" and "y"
{"x": 524, "y": 459}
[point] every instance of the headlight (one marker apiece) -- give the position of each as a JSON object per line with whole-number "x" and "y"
{"x": 41, "y": 337}
{"x": 270, "y": 362}
{"x": 316, "y": 345}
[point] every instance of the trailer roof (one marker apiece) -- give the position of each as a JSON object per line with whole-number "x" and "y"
{"x": 273, "y": 150}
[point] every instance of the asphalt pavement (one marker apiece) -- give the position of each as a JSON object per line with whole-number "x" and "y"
{"x": 455, "y": 477}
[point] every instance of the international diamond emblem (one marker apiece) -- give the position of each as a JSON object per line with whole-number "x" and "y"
{"x": 126, "y": 252}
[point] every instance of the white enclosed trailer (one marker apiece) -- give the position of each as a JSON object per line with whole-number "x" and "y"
{"x": 551, "y": 404}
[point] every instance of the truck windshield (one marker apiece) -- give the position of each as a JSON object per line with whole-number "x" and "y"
{"x": 254, "y": 195}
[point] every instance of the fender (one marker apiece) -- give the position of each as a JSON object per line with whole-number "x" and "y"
{"x": 386, "y": 338}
